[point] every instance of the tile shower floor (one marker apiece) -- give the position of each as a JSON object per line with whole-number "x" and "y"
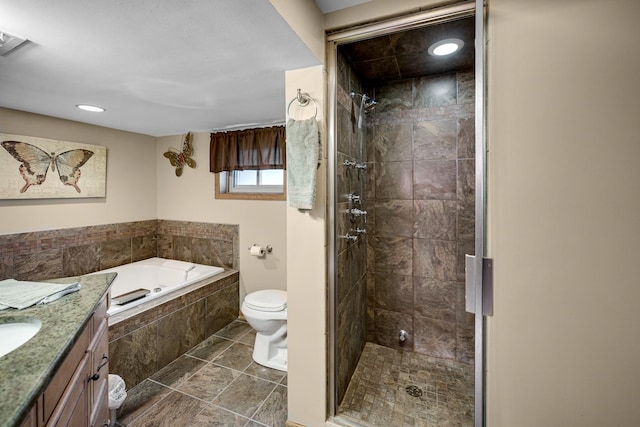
{"x": 215, "y": 384}
{"x": 377, "y": 396}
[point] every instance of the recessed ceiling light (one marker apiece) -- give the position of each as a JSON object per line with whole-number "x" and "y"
{"x": 445, "y": 47}
{"x": 8, "y": 42}
{"x": 91, "y": 108}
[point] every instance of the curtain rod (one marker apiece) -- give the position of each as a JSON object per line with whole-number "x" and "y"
{"x": 245, "y": 126}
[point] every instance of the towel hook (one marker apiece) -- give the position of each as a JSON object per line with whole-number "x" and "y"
{"x": 303, "y": 99}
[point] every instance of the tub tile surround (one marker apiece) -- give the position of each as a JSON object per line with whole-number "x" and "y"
{"x": 75, "y": 251}
{"x": 202, "y": 243}
{"x": 215, "y": 383}
{"x": 150, "y": 338}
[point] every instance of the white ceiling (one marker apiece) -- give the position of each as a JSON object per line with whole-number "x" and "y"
{"x": 159, "y": 67}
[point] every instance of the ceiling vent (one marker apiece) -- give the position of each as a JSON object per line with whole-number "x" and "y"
{"x": 8, "y": 42}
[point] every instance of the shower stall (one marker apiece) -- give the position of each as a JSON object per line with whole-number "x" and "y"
{"x": 403, "y": 219}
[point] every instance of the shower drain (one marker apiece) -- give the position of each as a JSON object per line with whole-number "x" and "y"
{"x": 414, "y": 390}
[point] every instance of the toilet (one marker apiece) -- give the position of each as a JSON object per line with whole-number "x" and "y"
{"x": 266, "y": 312}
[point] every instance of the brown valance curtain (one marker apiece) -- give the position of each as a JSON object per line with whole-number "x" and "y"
{"x": 248, "y": 149}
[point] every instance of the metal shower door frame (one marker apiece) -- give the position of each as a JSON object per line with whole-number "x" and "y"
{"x": 462, "y": 9}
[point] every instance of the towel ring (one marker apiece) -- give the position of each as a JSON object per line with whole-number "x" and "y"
{"x": 303, "y": 100}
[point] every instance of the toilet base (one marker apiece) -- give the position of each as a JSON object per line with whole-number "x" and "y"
{"x": 269, "y": 354}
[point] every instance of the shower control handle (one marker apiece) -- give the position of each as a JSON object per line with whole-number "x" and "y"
{"x": 350, "y": 237}
{"x": 357, "y": 212}
{"x": 353, "y": 197}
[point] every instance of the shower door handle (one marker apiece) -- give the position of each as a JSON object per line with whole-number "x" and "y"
{"x": 487, "y": 285}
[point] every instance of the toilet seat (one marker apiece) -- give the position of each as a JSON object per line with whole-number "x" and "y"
{"x": 267, "y": 300}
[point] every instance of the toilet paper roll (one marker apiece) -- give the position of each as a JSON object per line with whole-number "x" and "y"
{"x": 257, "y": 251}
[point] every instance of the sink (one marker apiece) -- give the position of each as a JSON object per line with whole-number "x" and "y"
{"x": 16, "y": 332}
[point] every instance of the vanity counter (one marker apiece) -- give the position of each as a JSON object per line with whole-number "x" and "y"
{"x": 26, "y": 371}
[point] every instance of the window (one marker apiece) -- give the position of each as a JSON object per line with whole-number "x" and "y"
{"x": 263, "y": 181}
{"x": 249, "y": 164}
{"x": 267, "y": 184}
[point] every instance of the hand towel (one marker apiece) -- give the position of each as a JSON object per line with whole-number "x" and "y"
{"x": 178, "y": 265}
{"x": 21, "y": 294}
{"x": 303, "y": 155}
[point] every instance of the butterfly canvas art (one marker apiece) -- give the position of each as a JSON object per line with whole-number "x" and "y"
{"x": 179, "y": 158}
{"x": 50, "y": 168}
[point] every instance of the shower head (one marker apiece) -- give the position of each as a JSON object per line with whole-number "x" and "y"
{"x": 366, "y": 105}
{"x": 369, "y": 103}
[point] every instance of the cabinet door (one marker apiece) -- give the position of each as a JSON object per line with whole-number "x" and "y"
{"x": 54, "y": 394}
{"x": 32, "y": 418}
{"x": 99, "y": 400}
{"x": 73, "y": 408}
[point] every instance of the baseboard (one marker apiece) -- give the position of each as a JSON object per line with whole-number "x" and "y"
{"x": 292, "y": 424}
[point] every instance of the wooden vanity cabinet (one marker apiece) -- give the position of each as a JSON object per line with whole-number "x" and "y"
{"x": 77, "y": 396}
{"x": 73, "y": 407}
{"x": 31, "y": 420}
{"x": 98, "y": 382}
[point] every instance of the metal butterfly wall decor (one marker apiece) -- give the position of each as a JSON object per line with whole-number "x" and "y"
{"x": 35, "y": 163}
{"x": 179, "y": 158}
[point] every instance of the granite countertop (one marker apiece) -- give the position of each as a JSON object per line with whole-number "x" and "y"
{"x": 26, "y": 371}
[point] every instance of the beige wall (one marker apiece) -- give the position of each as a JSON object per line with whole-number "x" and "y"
{"x": 306, "y": 278}
{"x": 307, "y": 21}
{"x": 564, "y": 203}
{"x": 131, "y": 180}
{"x": 191, "y": 198}
{"x": 306, "y": 242}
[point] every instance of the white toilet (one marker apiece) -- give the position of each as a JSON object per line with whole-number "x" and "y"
{"x": 266, "y": 312}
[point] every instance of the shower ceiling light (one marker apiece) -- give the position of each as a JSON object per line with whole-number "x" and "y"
{"x": 445, "y": 47}
{"x": 91, "y": 108}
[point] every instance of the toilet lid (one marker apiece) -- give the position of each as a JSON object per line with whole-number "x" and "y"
{"x": 267, "y": 300}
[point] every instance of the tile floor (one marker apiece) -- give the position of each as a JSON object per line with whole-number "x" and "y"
{"x": 217, "y": 383}
{"x": 377, "y": 394}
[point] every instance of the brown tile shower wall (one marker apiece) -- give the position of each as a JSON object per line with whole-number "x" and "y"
{"x": 146, "y": 342}
{"x": 352, "y": 256}
{"x": 75, "y": 251}
{"x": 421, "y": 197}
